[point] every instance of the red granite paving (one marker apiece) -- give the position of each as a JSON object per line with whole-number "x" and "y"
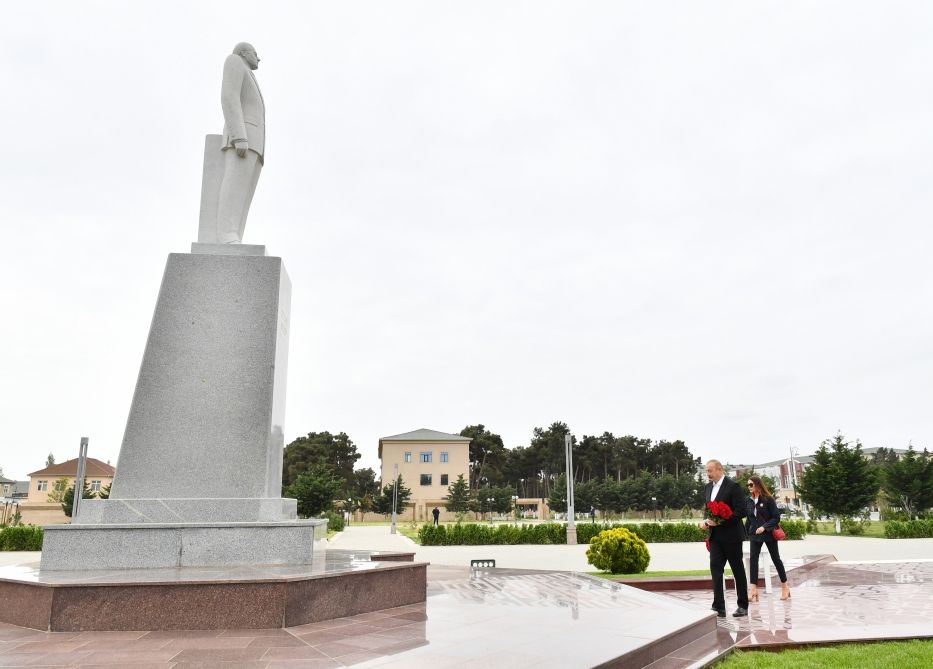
{"x": 511, "y": 618}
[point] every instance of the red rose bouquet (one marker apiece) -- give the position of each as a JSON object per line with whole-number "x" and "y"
{"x": 718, "y": 512}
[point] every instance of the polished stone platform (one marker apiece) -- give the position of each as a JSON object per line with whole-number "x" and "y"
{"x": 513, "y": 619}
{"x": 339, "y": 584}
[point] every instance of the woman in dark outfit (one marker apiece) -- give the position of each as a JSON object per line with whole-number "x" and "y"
{"x": 763, "y": 515}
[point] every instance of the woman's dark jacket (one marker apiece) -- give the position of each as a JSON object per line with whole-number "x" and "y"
{"x": 763, "y": 514}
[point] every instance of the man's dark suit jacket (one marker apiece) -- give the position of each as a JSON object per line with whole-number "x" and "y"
{"x": 732, "y": 494}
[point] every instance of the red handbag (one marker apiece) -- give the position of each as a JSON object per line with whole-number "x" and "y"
{"x": 778, "y": 533}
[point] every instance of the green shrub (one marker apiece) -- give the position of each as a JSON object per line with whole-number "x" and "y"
{"x": 618, "y": 551}
{"x": 853, "y": 526}
{"x": 335, "y": 521}
{"x": 908, "y": 529}
{"x": 21, "y": 538}
{"x": 795, "y": 529}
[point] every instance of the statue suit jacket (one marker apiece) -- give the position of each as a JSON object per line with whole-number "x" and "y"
{"x": 244, "y": 110}
{"x": 732, "y": 494}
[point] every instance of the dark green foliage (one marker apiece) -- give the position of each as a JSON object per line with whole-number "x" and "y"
{"x": 337, "y": 452}
{"x": 487, "y": 456}
{"x": 68, "y": 500}
{"x": 794, "y": 529}
{"x": 475, "y": 534}
{"x": 556, "y": 533}
{"x": 335, "y": 521}
{"x": 839, "y": 482}
{"x": 458, "y": 496}
{"x": 492, "y": 499}
{"x": 911, "y": 529}
{"x": 104, "y": 493}
{"x": 365, "y": 487}
{"x": 618, "y": 551}
{"x": 908, "y": 482}
{"x": 315, "y": 491}
{"x": 21, "y": 538}
{"x": 383, "y": 503}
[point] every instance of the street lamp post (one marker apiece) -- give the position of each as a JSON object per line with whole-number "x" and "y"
{"x": 793, "y": 481}
{"x": 571, "y": 524}
{"x": 654, "y": 507}
{"x": 394, "y": 501}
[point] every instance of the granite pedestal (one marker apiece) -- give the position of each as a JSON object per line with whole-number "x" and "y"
{"x": 198, "y": 481}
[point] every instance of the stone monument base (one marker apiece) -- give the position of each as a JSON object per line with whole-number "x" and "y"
{"x": 344, "y": 583}
{"x": 178, "y": 545}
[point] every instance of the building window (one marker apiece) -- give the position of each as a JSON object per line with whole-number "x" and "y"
{"x": 425, "y": 479}
{"x": 95, "y": 486}
{"x": 43, "y": 486}
{"x": 407, "y": 456}
{"x": 426, "y": 456}
{"x": 444, "y": 456}
{"x": 444, "y": 479}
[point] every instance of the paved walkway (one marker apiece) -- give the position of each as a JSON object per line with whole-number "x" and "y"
{"x": 664, "y": 557}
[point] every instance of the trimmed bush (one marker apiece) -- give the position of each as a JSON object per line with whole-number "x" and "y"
{"x": 618, "y": 551}
{"x": 471, "y": 534}
{"x": 794, "y": 529}
{"x": 475, "y": 534}
{"x": 21, "y": 538}
{"x": 335, "y": 521}
{"x": 908, "y": 529}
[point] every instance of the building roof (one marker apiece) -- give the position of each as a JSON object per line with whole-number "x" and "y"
{"x": 808, "y": 459}
{"x": 94, "y": 467}
{"x": 424, "y": 434}
{"x": 3, "y": 479}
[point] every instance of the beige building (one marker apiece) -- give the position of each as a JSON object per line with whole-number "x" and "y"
{"x": 428, "y": 462}
{"x": 38, "y": 510}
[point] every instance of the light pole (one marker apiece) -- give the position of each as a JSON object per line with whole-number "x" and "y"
{"x": 654, "y": 507}
{"x": 394, "y": 501}
{"x": 571, "y": 524}
{"x": 489, "y": 501}
{"x": 515, "y": 511}
{"x": 793, "y": 480}
{"x": 349, "y": 509}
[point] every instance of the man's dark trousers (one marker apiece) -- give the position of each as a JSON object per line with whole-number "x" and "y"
{"x": 725, "y": 544}
{"x": 722, "y": 551}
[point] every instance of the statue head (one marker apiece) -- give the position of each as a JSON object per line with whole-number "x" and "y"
{"x": 246, "y": 51}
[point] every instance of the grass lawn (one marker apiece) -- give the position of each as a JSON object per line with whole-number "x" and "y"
{"x": 657, "y": 574}
{"x": 893, "y": 654}
{"x": 874, "y": 529}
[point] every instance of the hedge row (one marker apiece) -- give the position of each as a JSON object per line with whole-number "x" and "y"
{"x": 475, "y": 534}
{"x": 21, "y": 538}
{"x": 908, "y": 529}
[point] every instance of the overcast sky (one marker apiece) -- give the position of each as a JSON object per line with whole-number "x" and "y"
{"x": 700, "y": 221}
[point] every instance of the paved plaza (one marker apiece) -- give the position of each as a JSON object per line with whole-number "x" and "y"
{"x": 544, "y": 615}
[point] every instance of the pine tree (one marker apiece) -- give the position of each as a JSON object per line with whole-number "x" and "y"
{"x": 458, "y": 498}
{"x": 840, "y": 482}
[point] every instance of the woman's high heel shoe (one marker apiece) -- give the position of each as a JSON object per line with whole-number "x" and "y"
{"x": 753, "y": 593}
{"x": 785, "y": 591}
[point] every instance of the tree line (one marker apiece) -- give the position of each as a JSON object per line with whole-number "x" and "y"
{"x": 611, "y": 473}
{"x": 842, "y": 483}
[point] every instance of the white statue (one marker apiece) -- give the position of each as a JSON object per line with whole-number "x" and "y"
{"x": 243, "y": 144}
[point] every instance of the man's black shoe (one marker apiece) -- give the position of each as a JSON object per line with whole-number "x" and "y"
{"x": 739, "y": 612}
{"x": 720, "y": 612}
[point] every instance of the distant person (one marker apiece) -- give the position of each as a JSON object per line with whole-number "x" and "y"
{"x": 437, "y": 514}
{"x": 593, "y": 514}
{"x": 763, "y": 515}
{"x": 725, "y": 538}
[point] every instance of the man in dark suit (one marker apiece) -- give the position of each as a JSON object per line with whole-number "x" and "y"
{"x": 725, "y": 538}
